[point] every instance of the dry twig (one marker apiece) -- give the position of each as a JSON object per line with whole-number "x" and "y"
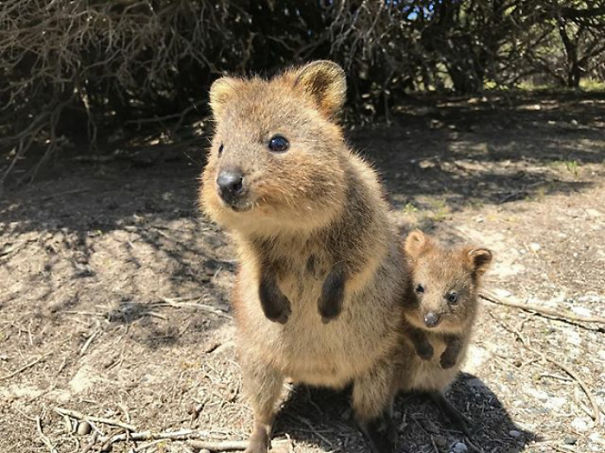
{"x": 544, "y": 311}
{"x": 596, "y": 415}
{"x": 184, "y": 434}
{"x": 105, "y": 421}
{"x": 45, "y": 438}
{"x": 222, "y": 445}
{"x": 25, "y": 367}
{"x": 178, "y": 304}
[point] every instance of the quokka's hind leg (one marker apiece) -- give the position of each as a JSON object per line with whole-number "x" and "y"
{"x": 454, "y": 415}
{"x": 263, "y": 386}
{"x": 373, "y": 396}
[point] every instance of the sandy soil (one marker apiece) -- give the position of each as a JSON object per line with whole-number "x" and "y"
{"x": 114, "y": 290}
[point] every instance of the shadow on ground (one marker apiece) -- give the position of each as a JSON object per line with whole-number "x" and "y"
{"x": 323, "y": 418}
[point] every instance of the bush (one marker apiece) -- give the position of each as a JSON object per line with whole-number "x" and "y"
{"x": 82, "y": 70}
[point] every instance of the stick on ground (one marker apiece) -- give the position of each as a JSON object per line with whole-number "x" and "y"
{"x": 25, "y": 367}
{"x": 544, "y": 311}
{"x": 183, "y": 434}
{"x": 107, "y": 421}
{"x": 222, "y": 445}
{"x": 45, "y": 438}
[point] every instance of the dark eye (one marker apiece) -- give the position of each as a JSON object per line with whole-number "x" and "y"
{"x": 452, "y": 297}
{"x": 220, "y": 150}
{"x": 279, "y": 144}
{"x": 419, "y": 288}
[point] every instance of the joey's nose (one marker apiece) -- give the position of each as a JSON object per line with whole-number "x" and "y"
{"x": 230, "y": 184}
{"x": 431, "y": 319}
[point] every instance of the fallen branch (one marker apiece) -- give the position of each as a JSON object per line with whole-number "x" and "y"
{"x": 223, "y": 445}
{"x": 105, "y": 421}
{"x": 25, "y": 367}
{"x": 183, "y": 434}
{"x": 45, "y": 438}
{"x": 544, "y": 311}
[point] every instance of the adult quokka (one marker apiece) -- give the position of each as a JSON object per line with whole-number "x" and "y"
{"x": 305, "y": 213}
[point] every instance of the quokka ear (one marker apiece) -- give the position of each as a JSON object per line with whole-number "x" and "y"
{"x": 221, "y": 91}
{"x": 326, "y": 83}
{"x": 478, "y": 260}
{"x": 415, "y": 242}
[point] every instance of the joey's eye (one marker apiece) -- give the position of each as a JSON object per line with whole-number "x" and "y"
{"x": 419, "y": 288}
{"x": 452, "y": 297}
{"x": 220, "y": 150}
{"x": 279, "y": 144}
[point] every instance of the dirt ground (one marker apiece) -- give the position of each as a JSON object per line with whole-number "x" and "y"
{"x": 114, "y": 290}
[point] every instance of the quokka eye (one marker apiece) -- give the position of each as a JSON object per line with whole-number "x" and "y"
{"x": 220, "y": 150}
{"x": 452, "y": 297}
{"x": 419, "y": 288}
{"x": 279, "y": 144}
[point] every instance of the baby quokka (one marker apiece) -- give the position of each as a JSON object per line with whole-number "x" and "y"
{"x": 440, "y": 308}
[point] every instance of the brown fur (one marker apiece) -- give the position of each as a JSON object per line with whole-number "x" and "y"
{"x": 440, "y": 271}
{"x": 305, "y": 211}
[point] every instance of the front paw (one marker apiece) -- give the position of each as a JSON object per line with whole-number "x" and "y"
{"x": 281, "y": 316}
{"x": 447, "y": 361}
{"x": 329, "y": 313}
{"x": 425, "y": 351}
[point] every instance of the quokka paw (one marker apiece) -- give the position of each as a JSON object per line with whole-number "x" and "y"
{"x": 280, "y": 316}
{"x": 447, "y": 361}
{"x": 329, "y": 313}
{"x": 425, "y": 352}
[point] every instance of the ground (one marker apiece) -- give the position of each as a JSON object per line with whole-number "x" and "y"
{"x": 114, "y": 294}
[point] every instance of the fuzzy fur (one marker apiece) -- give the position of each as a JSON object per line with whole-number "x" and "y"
{"x": 439, "y": 270}
{"x": 305, "y": 210}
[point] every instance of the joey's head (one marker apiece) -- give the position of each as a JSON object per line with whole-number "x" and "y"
{"x": 277, "y": 155}
{"x": 445, "y": 282}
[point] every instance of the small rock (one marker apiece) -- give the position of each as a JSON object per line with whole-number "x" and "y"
{"x": 514, "y": 433}
{"x": 534, "y": 246}
{"x": 500, "y": 292}
{"x": 538, "y": 394}
{"x": 556, "y": 402}
{"x": 593, "y": 213}
{"x": 441, "y": 442}
{"x": 582, "y": 311}
{"x": 579, "y": 424}
{"x": 459, "y": 447}
{"x": 569, "y": 440}
{"x": 83, "y": 428}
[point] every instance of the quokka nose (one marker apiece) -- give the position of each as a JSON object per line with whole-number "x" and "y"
{"x": 431, "y": 319}
{"x": 230, "y": 183}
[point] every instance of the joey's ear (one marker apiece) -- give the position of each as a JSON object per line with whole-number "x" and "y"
{"x": 415, "y": 242}
{"x": 478, "y": 260}
{"x": 325, "y": 82}
{"x": 221, "y": 91}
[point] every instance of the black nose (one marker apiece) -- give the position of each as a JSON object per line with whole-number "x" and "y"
{"x": 230, "y": 184}
{"x": 431, "y": 319}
